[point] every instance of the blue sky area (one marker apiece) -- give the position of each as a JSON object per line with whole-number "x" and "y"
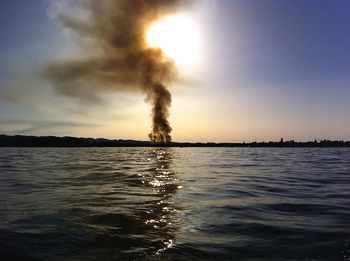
{"x": 268, "y": 69}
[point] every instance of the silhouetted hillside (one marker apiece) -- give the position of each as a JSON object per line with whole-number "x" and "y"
{"x": 52, "y": 141}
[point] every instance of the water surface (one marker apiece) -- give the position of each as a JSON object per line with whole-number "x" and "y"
{"x": 174, "y": 203}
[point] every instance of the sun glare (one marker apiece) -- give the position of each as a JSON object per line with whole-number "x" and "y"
{"x": 177, "y": 36}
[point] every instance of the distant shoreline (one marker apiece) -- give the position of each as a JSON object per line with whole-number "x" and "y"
{"x": 52, "y": 141}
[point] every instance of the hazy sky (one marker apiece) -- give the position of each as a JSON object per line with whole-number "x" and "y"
{"x": 267, "y": 69}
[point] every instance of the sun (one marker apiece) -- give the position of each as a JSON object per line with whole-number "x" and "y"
{"x": 177, "y": 36}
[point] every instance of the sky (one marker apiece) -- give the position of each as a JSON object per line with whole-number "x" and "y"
{"x": 266, "y": 69}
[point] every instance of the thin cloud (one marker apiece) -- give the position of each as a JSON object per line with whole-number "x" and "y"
{"x": 33, "y": 126}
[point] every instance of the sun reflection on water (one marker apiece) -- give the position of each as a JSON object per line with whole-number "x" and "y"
{"x": 161, "y": 216}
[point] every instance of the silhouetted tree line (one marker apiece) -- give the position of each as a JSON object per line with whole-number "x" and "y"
{"x": 52, "y": 141}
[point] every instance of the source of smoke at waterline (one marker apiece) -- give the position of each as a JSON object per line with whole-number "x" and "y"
{"x": 115, "y": 56}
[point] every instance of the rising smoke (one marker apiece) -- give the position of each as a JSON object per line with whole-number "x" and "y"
{"x": 116, "y": 56}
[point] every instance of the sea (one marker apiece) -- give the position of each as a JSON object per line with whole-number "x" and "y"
{"x": 174, "y": 204}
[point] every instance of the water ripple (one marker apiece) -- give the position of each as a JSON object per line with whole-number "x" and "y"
{"x": 174, "y": 203}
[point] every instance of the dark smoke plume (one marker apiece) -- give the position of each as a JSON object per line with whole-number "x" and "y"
{"x": 116, "y": 56}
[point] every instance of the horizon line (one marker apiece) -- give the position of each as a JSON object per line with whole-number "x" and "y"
{"x": 184, "y": 142}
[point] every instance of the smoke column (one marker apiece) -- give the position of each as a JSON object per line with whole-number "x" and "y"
{"x": 115, "y": 57}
